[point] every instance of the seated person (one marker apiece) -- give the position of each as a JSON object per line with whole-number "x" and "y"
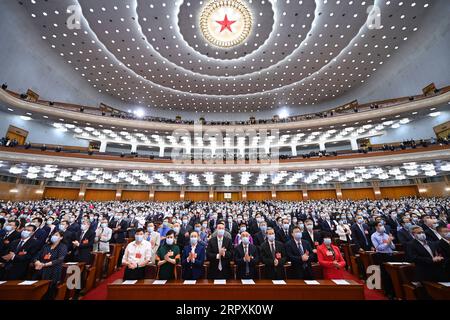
{"x": 330, "y": 258}
{"x": 193, "y": 258}
{"x": 167, "y": 257}
{"x": 300, "y": 254}
{"x": 137, "y": 256}
{"x": 49, "y": 262}
{"x": 246, "y": 258}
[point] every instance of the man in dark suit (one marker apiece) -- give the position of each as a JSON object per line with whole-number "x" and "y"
{"x": 213, "y": 222}
{"x": 429, "y": 226}
{"x": 444, "y": 249}
{"x": 119, "y": 228}
{"x": 404, "y": 234}
{"x": 193, "y": 258}
{"x": 312, "y": 236}
{"x": 284, "y": 234}
{"x": 360, "y": 234}
{"x": 424, "y": 254}
{"x": 74, "y": 226}
{"x": 260, "y": 236}
{"x": 42, "y": 232}
{"x": 84, "y": 243}
{"x": 9, "y": 236}
{"x": 255, "y": 223}
{"x": 273, "y": 255}
{"x": 326, "y": 224}
{"x": 232, "y": 227}
{"x": 183, "y": 236}
{"x": 132, "y": 226}
{"x": 219, "y": 254}
{"x": 246, "y": 258}
{"x": 299, "y": 253}
{"x": 20, "y": 254}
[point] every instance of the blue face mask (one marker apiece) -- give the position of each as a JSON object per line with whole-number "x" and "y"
{"x": 139, "y": 238}
{"x": 221, "y": 232}
{"x": 169, "y": 241}
{"x": 245, "y": 240}
{"x": 271, "y": 237}
{"x": 298, "y": 236}
{"x": 8, "y": 228}
{"x": 62, "y": 227}
{"x": 327, "y": 241}
{"x": 54, "y": 239}
{"x": 263, "y": 228}
{"x": 408, "y": 225}
{"x": 198, "y": 229}
{"x": 194, "y": 241}
{"x": 243, "y": 229}
{"x": 25, "y": 234}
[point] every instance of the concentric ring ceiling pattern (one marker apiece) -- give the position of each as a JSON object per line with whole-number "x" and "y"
{"x": 153, "y": 53}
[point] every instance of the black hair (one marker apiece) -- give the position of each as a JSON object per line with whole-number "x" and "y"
{"x": 140, "y": 230}
{"x": 170, "y": 232}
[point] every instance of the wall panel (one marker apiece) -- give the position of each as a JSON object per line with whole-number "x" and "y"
{"x": 399, "y": 192}
{"x": 235, "y": 196}
{"x": 290, "y": 195}
{"x": 167, "y": 196}
{"x": 259, "y": 195}
{"x": 135, "y": 195}
{"x": 100, "y": 195}
{"x": 321, "y": 194}
{"x": 25, "y": 192}
{"x": 196, "y": 196}
{"x": 358, "y": 194}
{"x": 61, "y": 193}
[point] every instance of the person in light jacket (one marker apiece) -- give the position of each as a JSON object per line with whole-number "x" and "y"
{"x": 103, "y": 235}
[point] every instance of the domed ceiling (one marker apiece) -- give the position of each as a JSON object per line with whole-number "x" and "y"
{"x": 225, "y": 55}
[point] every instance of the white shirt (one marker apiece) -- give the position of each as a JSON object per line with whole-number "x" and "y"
{"x": 138, "y": 253}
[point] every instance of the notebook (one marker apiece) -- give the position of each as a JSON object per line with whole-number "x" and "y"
{"x": 247, "y": 281}
{"x": 220, "y": 281}
{"x": 2, "y": 282}
{"x": 159, "y": 282}
{"x": 27, "y": 283}
{"x": 189, "y": 282}
{"x": 341, "y": 282}
{"x": 278, "y": 282}
{"x": 445, "y": 284}
{"x": 312, "y": 282}
{"x": 129, "y": 282}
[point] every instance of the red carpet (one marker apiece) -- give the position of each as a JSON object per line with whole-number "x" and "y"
{"x": 100, "y": 292}
{"x": 368, "y": 294}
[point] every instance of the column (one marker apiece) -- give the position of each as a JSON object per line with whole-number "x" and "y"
{"x": 376, "y": 189}
{"x": 211, "y": 194}
{"x": 183, "y": 189}
{"x": 244, "y": 193}
{"x": 294, "y": 150}
{"x": 82, "y": 192}
{"x": 133, "y": 148}
{"x": 354, "y": 144}
{"x": 103, "y": 145}
{"x": 151, "y": 195}
{"x": 305, "y": 194}
{"x": 338, "y": 191}
{"x": 322, "y": 146}
{"x": 119, "y": 193}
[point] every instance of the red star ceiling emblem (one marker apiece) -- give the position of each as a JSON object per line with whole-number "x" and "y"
{"x": 226, "y": 24}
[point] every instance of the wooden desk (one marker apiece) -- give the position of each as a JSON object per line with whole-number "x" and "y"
{"x": 437, "y": 291}
{"x": 394, "y": 272}
{"x": 235, "y": 290}
{"x": 11, "y": 290}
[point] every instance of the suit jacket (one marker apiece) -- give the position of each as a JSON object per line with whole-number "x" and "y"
{"x": 324, "y": 226}
{"x": 234, "y": 229}
{"x": 431, "y": 236}
{"x": 193, "y": 271}
{"x": 317, "y": 238}
{"x": 119, "y": 235}
{"x": 258, "y": 239}
{"x": 17, "y": 268}
{"x": 41, "y": 235}
{"x": 211, "y": 223}
{"x": 326, "y": 262}
{"x": 82, "y": 253}
{"x": 241, "y": 264}
{"x": 300, "y": 269}
{"x": 272, "y": 272}
{"x": 281, "y": 236}
{"x": 426, "y": 269}
{"x": 444, "y": 250}
{"x": 211, "y": 253}
{"x": 404, "y": 236}
{"x": 7, "y": 240}
{"x": 74, "y": 227}
{"x": 359, "y": 238}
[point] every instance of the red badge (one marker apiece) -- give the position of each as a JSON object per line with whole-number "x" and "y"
{"x": 138, "y": 255}
{"x": 278, "y": 255}
{"x": 85, "y": 241}
{"x": 316, "y": 243}
{"x": 22, "y": 253}
{"x": 48, "y": 256}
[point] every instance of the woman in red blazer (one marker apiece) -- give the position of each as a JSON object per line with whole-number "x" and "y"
{"x": 330, "y": 259}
